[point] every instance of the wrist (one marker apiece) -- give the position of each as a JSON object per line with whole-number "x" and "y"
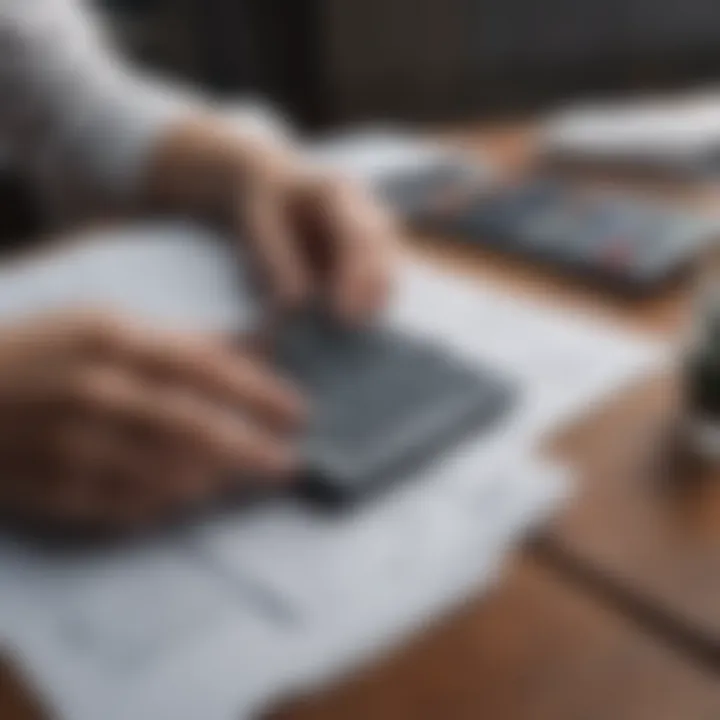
{"x": 199, "y": 168}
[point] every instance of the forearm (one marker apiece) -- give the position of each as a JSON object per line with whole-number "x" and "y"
{"x": 74, "y": 119}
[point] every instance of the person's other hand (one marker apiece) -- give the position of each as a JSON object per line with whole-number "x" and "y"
{"x": 310, "y": 232}
{"x": 106, "y": 423}
{"x": 315, "y": 233}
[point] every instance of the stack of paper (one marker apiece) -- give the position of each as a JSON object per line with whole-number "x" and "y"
{"x": 220, "y": 618}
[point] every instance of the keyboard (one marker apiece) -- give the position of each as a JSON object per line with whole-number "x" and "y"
{"x": 382, "y": 403}
{"x": 622, "y": 242}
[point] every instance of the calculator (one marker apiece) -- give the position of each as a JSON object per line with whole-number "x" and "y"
{"x": 383, "y": 403}
{"x": 631, "y": 244}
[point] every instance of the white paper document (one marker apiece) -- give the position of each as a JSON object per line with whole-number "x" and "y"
{"x": 374, "y": 154}
{"x": 221, "y": 617}
{"x": 680, "y": 133}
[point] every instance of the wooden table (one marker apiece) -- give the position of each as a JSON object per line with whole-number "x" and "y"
{"x": 614, "y": 612}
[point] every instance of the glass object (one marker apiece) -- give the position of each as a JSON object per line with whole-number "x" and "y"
{"x": 701, "y": 372}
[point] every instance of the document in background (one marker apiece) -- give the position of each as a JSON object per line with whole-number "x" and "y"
{"x": 680, "y": 133}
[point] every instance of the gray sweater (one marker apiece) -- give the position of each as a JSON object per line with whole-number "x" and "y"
{"x": 72, "y": 115}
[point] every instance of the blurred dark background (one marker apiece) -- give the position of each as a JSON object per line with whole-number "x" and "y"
{"x": 340, "y": 61}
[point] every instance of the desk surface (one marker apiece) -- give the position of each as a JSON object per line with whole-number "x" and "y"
{"x": 536, "y": 648}
{"x": 615, "y": 611}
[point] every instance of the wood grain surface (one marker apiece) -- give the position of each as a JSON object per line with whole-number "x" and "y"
{"x": 535, "y": 649}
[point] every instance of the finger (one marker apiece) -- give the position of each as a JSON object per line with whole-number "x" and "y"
{"x": 254, "y": 346}
{"x": 190, "y": 482}
{"x": 135, "y": 488}
{"x": 34, "y": 497}
{"x": 80, "y": 447}
{"x": 67, "y": 485}
{"x": 135, "y": 491}
{"x": 180, "y": 476}
{"x": 207, "y": 368}
{"x": 363, "y": 251}
{"x": 62, "y": 334}
{"x": 265, "y": 219}
{"x": 183, "y": 419}
{"x": 15, "y": 490}
{"x": 81, "y": 454}
{"x": 69, "y": 499}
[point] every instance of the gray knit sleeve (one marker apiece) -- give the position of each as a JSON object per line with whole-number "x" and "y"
{"x": 72, "y": 115}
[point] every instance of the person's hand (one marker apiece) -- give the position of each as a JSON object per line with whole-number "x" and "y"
{"x": 311, "y": 233}
{"x": 315, "y": 233}
{"x": 105, "y": 423}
